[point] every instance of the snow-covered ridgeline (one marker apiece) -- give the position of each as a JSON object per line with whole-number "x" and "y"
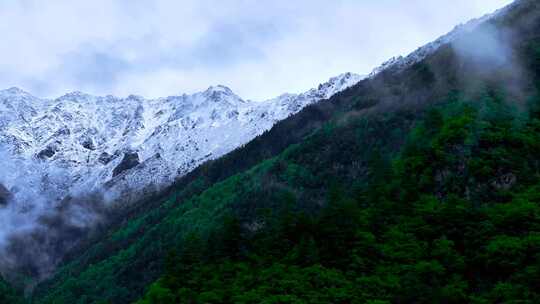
{"x": 131, "y": 146}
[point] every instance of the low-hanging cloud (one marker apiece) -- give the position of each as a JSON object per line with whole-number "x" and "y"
{"x": 39, "y": 222}
{"x": 490, "y": 52}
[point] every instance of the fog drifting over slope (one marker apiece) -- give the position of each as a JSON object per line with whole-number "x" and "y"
{"x": 36, "y": 228}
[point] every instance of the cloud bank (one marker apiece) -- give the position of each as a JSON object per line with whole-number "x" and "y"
{"x": 259, "y": 48}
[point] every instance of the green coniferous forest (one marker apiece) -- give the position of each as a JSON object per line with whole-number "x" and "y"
{"x": 416, "y": 186}
{"x": 453, "y": 217}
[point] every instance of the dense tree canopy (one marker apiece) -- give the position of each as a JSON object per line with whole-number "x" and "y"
{"x": 453, "y": 217}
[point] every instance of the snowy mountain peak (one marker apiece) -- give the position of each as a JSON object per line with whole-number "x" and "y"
{"x": 137, "y": 98}
{"x": 132, "y": 146}
{"x": 75, "y": 96}
{"x": 220, "y": 88}
{"x": 14, "y": 91}
{"x": 222, "y": 94}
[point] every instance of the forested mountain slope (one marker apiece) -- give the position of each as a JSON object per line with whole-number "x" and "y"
{"x": 418, "y": 185}
{"x": 9, "y": 295}
{"x": 66, "y": 161}
{"x": 451, "y": 217}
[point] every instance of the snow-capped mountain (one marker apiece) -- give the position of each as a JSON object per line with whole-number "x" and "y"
{"x": 132, "y": 146}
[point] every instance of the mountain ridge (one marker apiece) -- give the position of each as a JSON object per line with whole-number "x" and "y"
{"x": 77, "y": 156}
{"x": 70, "y": 130}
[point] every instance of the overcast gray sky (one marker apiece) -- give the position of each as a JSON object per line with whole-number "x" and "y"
{"x": 259, "y": 48}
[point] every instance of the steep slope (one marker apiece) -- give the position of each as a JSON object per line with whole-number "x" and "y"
{"x": 451, "y": 216}
{"x": 334, "y": 142}
{"x": 68, "y": 161}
